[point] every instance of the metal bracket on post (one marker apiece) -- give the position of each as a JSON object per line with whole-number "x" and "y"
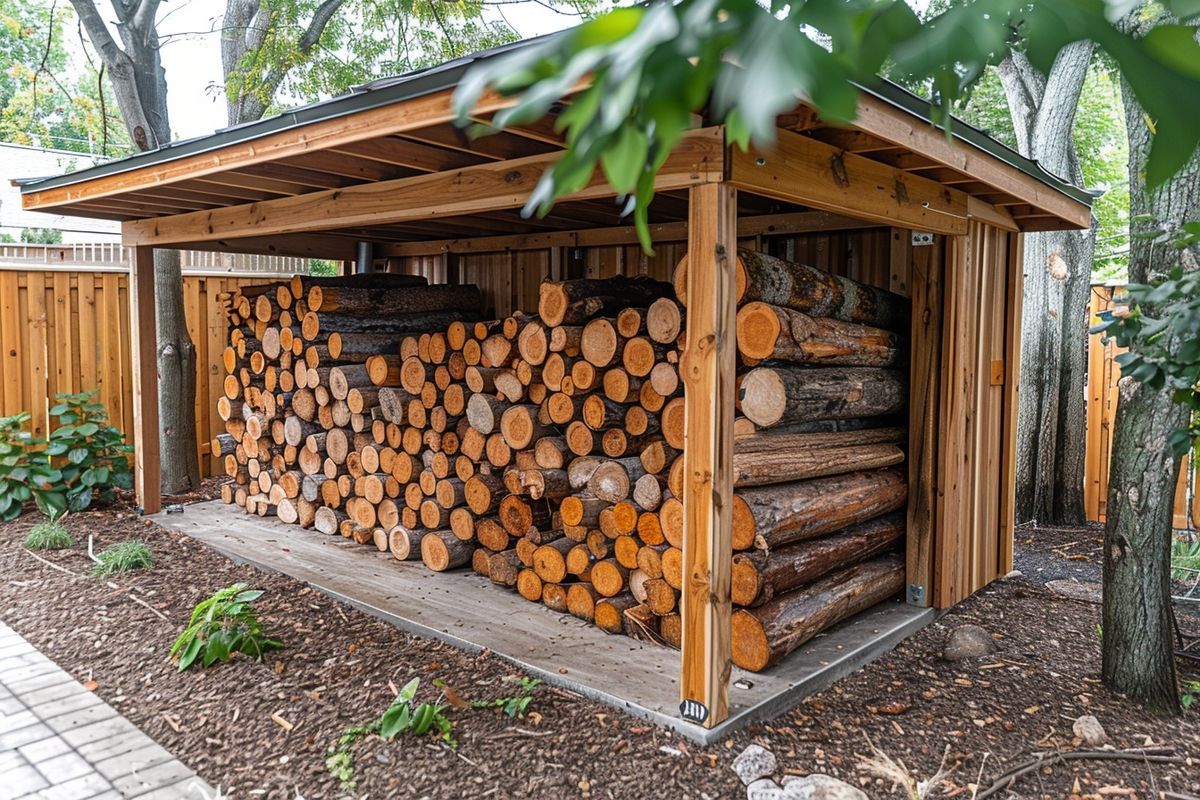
{"x": 922, "y": 239}
{"x": 916, "y": 594}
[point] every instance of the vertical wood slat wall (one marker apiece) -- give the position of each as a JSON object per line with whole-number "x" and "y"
{"x": 974, "y": 510}
{"x": 1103, "y": 375}
{"x": 66, "y": 331}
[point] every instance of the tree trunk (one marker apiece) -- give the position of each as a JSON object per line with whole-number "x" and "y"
{"x": 1058, "y": 267}
{"x": 1137, "y": 633}
{"x": 180, "y": 466}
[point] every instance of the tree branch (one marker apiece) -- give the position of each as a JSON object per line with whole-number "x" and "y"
{"x": 316, "y": 26}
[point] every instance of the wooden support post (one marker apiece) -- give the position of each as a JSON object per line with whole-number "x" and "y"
{"x": 708, "y": 369}
{"x": 145, "y": 380}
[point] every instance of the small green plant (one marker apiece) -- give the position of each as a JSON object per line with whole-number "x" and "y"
{"x": 91, "y": 454}
{"x": 24, "y": 470}
{"x": 516, "y": 705}
{"x": 222, "y": 625}
{"x": 124, "y": 556}
{"x": 1185, "y": 560}
{"x": 49, "y": 534}
{"x": 1191, "y": 693}
{"x": 400, "y": 717}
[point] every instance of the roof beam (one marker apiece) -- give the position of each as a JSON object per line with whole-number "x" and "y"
{"x": 699, "y": 158}
{"x": 385, "y": 120}
{"x": 805, "y": 171}
{"x": 895, "y": 125}
{"x": 766, "y": 225}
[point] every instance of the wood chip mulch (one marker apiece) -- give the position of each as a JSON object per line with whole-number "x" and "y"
{"x": 264, "y": 729}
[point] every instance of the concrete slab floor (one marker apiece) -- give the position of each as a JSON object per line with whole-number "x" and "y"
{"x": 463, "y": 608}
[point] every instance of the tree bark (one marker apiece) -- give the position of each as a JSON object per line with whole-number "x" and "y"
{"x": 1058, "y": 266}
{"x": 1138, "y": 620}
{"x": 180, "y": 466}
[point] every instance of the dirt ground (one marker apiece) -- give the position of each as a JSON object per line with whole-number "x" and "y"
{"x": 264, "y": 729}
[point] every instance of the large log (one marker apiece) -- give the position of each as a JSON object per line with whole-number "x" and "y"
{"x": 772, "y": 332}
{"x": 555, "y": 299}
{"x": 783, "y": 283}
{"x": 790, "y": 512}
{"x": 761, "y": 467}
{"x": 760, "y": 576}
{"x": 763, "y": 636}
{"x": 442, "y": 550}
{"x": 780, "y": 395}
{"x": 313, "y": 325}
{"x": 376, "y": 302}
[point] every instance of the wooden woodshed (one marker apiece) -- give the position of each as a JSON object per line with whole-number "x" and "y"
{"x": 892, "y": 201}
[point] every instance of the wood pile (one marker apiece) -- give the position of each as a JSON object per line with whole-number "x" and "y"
{"x": 544, "y": 451}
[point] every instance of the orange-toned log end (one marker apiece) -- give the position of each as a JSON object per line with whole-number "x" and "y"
{"x": 480, "y": 562}
{"x": 554, "y": 596}
{"x": 743, "y": 525}
{"x": 571, "y": 510}
{"x": 746, "y": 581}
{"x": 608, "y": 577}
{"x": 529, "y": 586}
{"x": 672, "y": 567}
{"x": 552, "y": 303}
{"x": 581, "y": 601}
{"x": 670, "y": 628}
{"x": 679, "y": 280}
{"x": 758, "y": 330}
{"x": 751, "y": 650}
{"x": 610, "y": 613}
{"x": 673, "y": 422}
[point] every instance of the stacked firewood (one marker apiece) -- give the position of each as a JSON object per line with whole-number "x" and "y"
{"x": 545, "y": 451}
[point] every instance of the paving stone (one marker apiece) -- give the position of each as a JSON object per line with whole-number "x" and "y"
{"x": 44, "y": 749}
{"x": 12, "y": 739}
{"x": 68, "y": 704}
{"x": 148, "y": 755}
{"x": 23, "y": 780}
{"x": 81, "y": 718}
{"x": 15, "y": 662}
{"x": 23, "y": 686}
{"x": 11, "y": 759}
{"x": 26, "y": 671}
{"x": 76, "y": 788}
{"x": 96, "y": 731}
{"x": 17, "y": 719}
{"x": 9, "y": 706}
{"x": 146, "y": 780}
{"x": 187, "y": 789}
{"x": 38, "y": 696}
{"x": 65, "y": 767}
{"x": 116, "y": 744}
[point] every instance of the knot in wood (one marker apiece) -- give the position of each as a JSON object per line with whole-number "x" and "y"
{"x": 837, "y": 166}
{"x": 901, "y": 192}
{"x": 512, "y": 176}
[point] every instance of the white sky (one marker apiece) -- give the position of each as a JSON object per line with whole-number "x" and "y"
{"x": 192, "y": 58}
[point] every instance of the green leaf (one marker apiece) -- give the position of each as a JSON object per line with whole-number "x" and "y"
{"x": 408, "y": 691}
{"x": 87, "y": 429}
{"x": 217, "y": 647}
{"x": 188, "y": 656}
{"x": 625, "y": 159}
{"x": 52, "y": 504}
{"x": 395, "y": 720}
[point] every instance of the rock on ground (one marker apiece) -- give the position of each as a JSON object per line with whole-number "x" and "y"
{"x": 1089, "y": 729}
{"x": 967, "y": 641}
{"x": 820, "y": 787}
{"x": 754, "y": 762}
{"x": 765, "y": 789}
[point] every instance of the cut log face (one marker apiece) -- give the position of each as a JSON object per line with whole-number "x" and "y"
{"x": 763, "y": 636}
{"x": 771, "y": 332}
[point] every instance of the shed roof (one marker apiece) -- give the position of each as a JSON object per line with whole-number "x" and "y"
{"x": 403, "y": 126}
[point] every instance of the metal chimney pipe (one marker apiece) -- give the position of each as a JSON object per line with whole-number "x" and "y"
{"x": 364, "y": 261}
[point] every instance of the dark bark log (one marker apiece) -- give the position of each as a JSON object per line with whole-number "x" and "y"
{"x": 763, "y": 636}
{"x": 760, "y": 576}
{"x": 773, "y": 396}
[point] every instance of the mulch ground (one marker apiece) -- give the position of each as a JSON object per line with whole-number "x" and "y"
{"x": 264, "y": 729}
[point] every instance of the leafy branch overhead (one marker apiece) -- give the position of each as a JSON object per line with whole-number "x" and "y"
{"x": 647, "y": 70}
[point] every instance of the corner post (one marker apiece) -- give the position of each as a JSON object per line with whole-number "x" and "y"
{"x": 143, "y": 341}
{"x": 708, "y": 368}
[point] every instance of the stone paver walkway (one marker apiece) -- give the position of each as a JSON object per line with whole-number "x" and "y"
{"x": 60, "y": 741}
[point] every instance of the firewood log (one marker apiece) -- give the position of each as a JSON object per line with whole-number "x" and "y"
{"x": 442, "y": 550}
{"x": 762, "y": 636}
{"x": 760, "y": 576}
{"x": 772, "y": 280}
{"x": 375, "y": 302}
{"x": 556, "y": 298}
{"x": 503, "y": 568}
{"x": 771, "y": 332}
{"x": 780, "y": 395}
{"x": 581, "y": 600}
{"x": 610, "y": 612}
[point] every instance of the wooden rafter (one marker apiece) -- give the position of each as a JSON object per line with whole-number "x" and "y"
{"x": 483, "y": 188}
{"x": 812, "y": 173}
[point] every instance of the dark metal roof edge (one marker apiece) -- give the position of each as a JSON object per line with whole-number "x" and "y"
{"x": 386, "y": 91}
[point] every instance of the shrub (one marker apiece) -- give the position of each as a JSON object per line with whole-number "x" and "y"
{"x": 48, "y": 535}
{"x": 222, "y": 625}
{"x": 92, "y": 455}
{"x": 124, "y": 556}
{"x": 24, "y": 469}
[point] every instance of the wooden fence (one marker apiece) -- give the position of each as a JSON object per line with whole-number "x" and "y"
{"x": 1103, "y": 374}
{"x": 113, "y": 254}
{"x": 67, "y": 330}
